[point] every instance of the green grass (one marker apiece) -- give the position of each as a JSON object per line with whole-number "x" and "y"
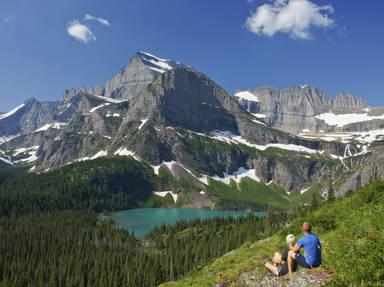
{"x": 351, "y": 231}
{"x": 248, "y": 191}
{"x": 251, "y": 191}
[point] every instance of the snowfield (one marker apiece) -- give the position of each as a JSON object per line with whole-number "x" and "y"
{"x": 10, "y": 113}
{"x": 99, "y": 107}
{"x": 156, "y": 64}
{"x": 228, "y": 137}
{"x": 247, "y": 95}
{"x": 96, "y": 156}
{"x": 165, "y": 193}
{"x": 31, "y": 151}
{"x": 237, "y": 176}
{"x": 109, "y": 100}
{"x": 346, "y": 137}
{"x": 51, "y": 126}
{"x": 346, "y": 119}
{"x": 259, "y": 116}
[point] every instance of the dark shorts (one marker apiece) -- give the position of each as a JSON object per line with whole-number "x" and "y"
{"x": 282, "y": 269}
{"x": 300, "y": 260}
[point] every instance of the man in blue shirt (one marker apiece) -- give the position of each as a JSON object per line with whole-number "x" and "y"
{"x": 312, "y": 246}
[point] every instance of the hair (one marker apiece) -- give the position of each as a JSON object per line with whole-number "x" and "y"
{"x": 307, "y": 227}
{"x": 291, "y": 239}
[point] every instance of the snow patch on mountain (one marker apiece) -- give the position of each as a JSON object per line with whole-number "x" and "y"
{"x": 154, "y": 63}
{"x": 5, "y": 158}
{"x": 259, "y": 116}
{"x": 304, "y": 190}
{"x": 170, "y": 164}
{"x": 367, "y": 137}
{"x": 99, "y": 154}
{"x": 247, "y": 95}
{"x": 228, "y": 137}
{"x": 143, "y": 122}
{"x": 51, "y": 126}
{"x": 10, "y": 113}
{"x": 109, "y": 100}
{"x": 31, "y": 151}
{"x": 238, "y": 175}
{"x": 123, "y": 151}
{"x": 346, "y": 119}
{"x": 99, "y": 107}
{"x": 165, "y": 193}
{"x": 114, "y": 115}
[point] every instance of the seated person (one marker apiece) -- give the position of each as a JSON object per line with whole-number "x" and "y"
{"x": 279, "y": 264}
{"x": 312, "y": 247}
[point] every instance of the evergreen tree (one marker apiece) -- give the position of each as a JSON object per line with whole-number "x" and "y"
{"x": 331, "y": 192}
{"x": 315, "y": 201}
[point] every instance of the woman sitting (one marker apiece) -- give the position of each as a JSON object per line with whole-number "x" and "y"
{"x": 278, "y": 266}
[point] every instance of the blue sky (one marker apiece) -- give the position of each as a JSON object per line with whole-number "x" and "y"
{"x": 339, "y": 47}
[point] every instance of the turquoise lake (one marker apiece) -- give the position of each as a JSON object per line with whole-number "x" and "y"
{"x": 141, "y": 220}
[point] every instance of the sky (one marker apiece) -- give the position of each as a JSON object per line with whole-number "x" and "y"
{"x": 49, "y": 46}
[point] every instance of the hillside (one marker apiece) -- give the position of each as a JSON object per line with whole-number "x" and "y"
{"x": 351, "y": 231}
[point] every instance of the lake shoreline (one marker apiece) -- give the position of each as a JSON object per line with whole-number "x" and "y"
{"x": 141, "y": 220}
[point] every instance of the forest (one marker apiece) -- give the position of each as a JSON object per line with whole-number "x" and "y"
{"x": 51, "y": 235}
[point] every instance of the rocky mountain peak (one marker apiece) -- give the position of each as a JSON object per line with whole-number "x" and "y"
{"x": 142, "y": 69}
{"x": 345, "y": 101}
{"x": 69, "y": 94}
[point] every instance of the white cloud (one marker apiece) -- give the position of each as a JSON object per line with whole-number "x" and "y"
{"x": 293, "y": 17}
{"x": 100, "y": 20}
{"x": 80, "y": 32}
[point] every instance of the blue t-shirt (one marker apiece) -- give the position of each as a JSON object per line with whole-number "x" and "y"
{"x": 312, "y": 247}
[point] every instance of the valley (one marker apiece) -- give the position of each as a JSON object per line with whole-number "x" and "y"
{"x": 185, "y": 171}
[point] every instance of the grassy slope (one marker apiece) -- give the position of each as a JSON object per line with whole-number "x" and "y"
{"x": 257, "y": 192}
{"x": 351, "y": 231}
{"x": 249, "y": 191}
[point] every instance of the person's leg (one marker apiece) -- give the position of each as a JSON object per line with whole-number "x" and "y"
{"x": 272, "y": 268}
{"x": 291, "y": 261}
{"x": 300, "y": 260}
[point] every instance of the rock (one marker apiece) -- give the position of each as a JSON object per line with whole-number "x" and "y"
{"x": 302, "y": 278}
{"x": 27, "y": 118}
{"x": 294, "y": 109}
{"x": 140, "y": 72}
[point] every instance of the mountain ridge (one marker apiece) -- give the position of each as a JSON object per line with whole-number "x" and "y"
{"x": 161, "y": 111}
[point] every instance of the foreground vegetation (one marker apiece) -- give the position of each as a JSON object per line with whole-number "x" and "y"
{"x": 351, "y": 230}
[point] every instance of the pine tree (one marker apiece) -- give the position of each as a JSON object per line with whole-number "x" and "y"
{"x": 331, "y": 193}
{"x": 314, "y": 201}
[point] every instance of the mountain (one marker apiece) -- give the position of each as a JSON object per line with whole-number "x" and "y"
{"x": 173, "y": 117}
{"x": 140, "y": 72}
{"x": 25, "y": 118}
{"x": 308, "y": 109}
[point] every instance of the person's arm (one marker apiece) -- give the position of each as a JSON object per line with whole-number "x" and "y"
{"x": 297, "y": 246}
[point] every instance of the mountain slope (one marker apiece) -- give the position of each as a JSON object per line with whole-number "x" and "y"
{"x": 349, "y": 226}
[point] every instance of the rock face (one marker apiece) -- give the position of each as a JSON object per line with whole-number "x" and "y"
{"x": 187, "y": 99}
{"x": 140, "y": 72}
{"x": 369, "y": 168}
{"x": 295, "y": 109}
{"x": 27, "y": 117}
